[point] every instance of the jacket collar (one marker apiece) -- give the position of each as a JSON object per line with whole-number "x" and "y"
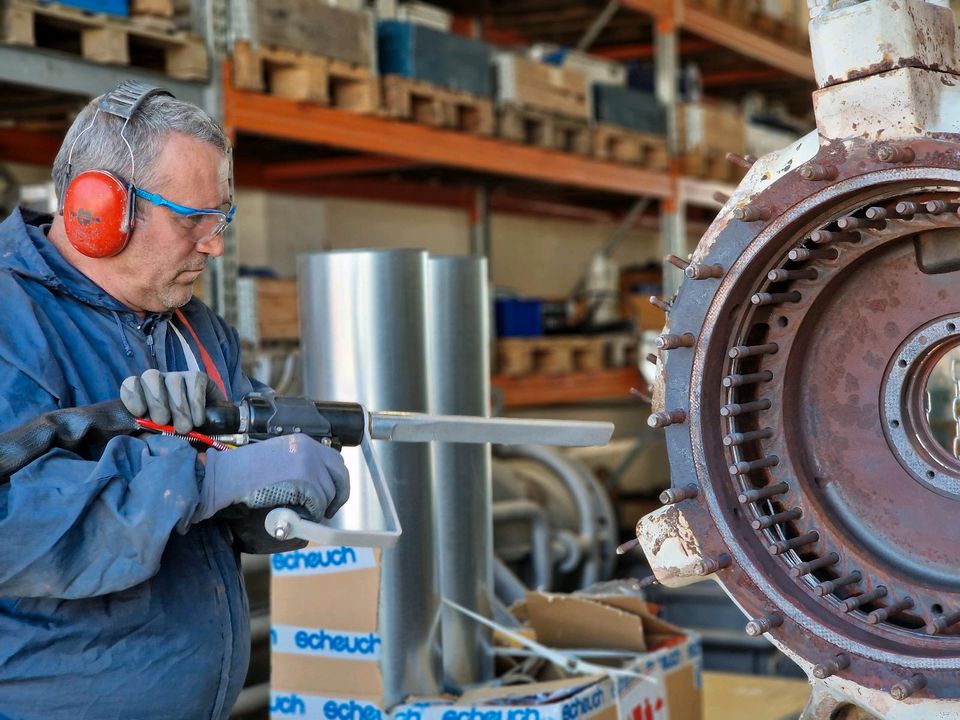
{"x": 26, "y": 251}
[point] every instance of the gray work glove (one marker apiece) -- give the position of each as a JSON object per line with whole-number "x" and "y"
{"x": 178, "y": 396}
{"x": 285, "y": 470}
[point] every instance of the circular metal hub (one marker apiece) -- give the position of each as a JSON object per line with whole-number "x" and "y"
{"x": 806, "y": 424}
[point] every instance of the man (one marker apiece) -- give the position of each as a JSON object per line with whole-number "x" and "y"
{"x": 120, "y": 591}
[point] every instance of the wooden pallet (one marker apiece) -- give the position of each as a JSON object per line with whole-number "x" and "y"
{"x": 630, "y": 146}
{"x": 301, "y": 76}
{"x": 560, "y": 355}
{"x": 750, "y": 14}
{"x": 431, "y": 105}
{"x": 711, "y": 165}
{"x": 103, "y": 38}
{"x": 545, "y": 129}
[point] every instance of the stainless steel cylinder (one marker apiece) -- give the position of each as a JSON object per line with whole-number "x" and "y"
{"x": 364, "y": 338}
{"x": 458, "y": 358}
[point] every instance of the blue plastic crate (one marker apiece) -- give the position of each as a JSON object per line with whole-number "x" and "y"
{"x": 422, "y": 53}
{"x": 517, "y": 317}
{"x": 109, "y": 7}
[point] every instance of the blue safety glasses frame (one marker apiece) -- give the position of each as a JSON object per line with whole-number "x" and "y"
{"x": 208, "y": 222}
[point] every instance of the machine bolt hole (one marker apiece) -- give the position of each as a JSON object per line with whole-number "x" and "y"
{"x": 782, "y": 321}
{"x": 931, "y": 474}
{"x": 951, "y": 327}
{"x": 902, "y": 363}
{"x": 936, "y": 609}
{"x": 895, "y": 423}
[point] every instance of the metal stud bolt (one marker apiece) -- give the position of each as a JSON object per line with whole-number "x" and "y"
{"x": 742, "y": 351}
{"x": 905, "y": 688}
{"x": 745, "y": 467}
{"x": 816, "y": 171}
{"x": 666, "y": 419}
{"x": 805, "y": 568}
{"x": 782, "y": 546}
{"x": 768, "y": 521}
{"x": 878, "y": 616}
{"x": 672, "y": 342}
{"x": 822, "y": 671}
{"x": 892, "y": 154}
{"x": 751, "y": 496}
{"x": 735, "y": 409}
{"x": 672, "y": 496}
{"x": 701, "y": 271}
{"x": 851, "y": 604}
{"x": 762, "y": 625}
{"x": 738, "y": 438}
{"x": 752, "y": 212}
{"x": 825, "y": 588}
{"x": 708, "y": 566}
{"x": 732, "y": 381}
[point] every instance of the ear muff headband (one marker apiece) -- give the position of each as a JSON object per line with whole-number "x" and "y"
{"x": 98, "y": 206}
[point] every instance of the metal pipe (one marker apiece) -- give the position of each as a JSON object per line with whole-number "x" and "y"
{"x": 508, "y": 587}
{"x": 540, "y": 548}
{"x": 458, "y": 358}
{"x": 571, "y": 476}
{"x": 363, "y": 329}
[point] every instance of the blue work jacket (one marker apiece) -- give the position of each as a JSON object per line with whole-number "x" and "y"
{"x": 112, "y": 605}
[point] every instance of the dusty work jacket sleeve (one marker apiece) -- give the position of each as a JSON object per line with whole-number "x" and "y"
{"x": 74, "y": 526}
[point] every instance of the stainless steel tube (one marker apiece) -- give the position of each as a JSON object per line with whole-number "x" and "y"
{"x": 458, "y": 352}
{"x": 364, "y": 338}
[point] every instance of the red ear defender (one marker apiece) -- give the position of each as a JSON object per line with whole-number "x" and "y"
{"x": 98, "y": 213}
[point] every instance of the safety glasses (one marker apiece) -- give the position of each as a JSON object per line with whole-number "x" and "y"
{"x": 201, "y": 223}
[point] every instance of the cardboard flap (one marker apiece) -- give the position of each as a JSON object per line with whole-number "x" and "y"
{"x": 531, "y": 693}
{"x": 571, "y": 621}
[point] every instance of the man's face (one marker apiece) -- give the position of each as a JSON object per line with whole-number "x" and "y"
{"x": 157, "y": 269}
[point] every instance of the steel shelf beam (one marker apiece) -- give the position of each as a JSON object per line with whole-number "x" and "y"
{"x": 279, "y": 118}
{"x": 727, "y": 34}
{"x": 72, "y": 75}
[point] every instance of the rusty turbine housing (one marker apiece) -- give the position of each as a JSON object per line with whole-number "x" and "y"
{"x": 791, "y": 379}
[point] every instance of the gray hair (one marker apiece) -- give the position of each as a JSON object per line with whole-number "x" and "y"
{"x": 102, "y": 148}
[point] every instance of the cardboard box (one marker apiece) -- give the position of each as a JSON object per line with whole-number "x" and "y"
{"x": 325, "y": 654}
{"x": 531, "y": 84}
{"x": 711, "y": 127}
{"x": 267, "y": 309}
{"x": 312, "y": 27}
{"x": 596, "y": 69}
{"x": 666, "y": 659}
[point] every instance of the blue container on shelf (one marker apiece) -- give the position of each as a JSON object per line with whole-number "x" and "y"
{"x": 629, "y": 108}
{"x": 443, "y": 59}
{"x": 516, "y": 317}
{"x": 109, "y": 7}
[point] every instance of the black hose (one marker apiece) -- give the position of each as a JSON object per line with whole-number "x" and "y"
{"x": 68, "y": 428}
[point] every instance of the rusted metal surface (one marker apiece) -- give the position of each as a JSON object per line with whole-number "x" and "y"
{"x": 790, "y": 388}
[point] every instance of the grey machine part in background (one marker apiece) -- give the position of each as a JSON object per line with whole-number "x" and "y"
{"x": 458, "y": 358}
{"x": 364, "y": 339}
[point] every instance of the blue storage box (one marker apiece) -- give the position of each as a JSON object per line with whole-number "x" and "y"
{"x": 109, "y": 7}
{"x": 629, "y": 108}
{"x": 422, "y": 53}
{"x": 519, "y": 318}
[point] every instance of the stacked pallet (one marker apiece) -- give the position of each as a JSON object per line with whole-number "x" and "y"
{"x": 784, "y": 20}
{"x": 309, "y": 51}
{"x": 104, "y": 37}
{"x": 626, "y": 125}
{"x": 543, "y": 105}
{"x": 268, "y": 310}
{"x": 436, "y": 78}
{"x": 707, "y": 131}
{"x": 562, "y": 355}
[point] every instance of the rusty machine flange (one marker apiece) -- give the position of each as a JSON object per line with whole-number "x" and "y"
{"x": 791, "y": 378}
